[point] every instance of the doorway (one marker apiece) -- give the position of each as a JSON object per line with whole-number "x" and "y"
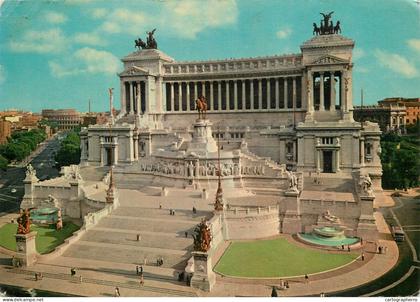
{"x": 108, "y": 156}
{"x": 327, "y": 162}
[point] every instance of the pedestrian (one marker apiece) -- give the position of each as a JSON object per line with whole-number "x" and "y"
{"x": 80, "y": 279}
{"x": 170, "y": 212}
{"x": 348, "y": 248}
{"x": 73, "y": 271}
{"x": 186, "y": 234}
{"x": 141, "y": 269}
{"x": 36, "y": 276}
{"x": 361, "y": 240}
{"x": 137, "y": 269}
{"x": 342, "y": 247}
{"x": 306, "y": 278}
{"x": 286, "y": 284}
{"x": 322, "y": 295}
{"x": 380, "y": 249}
{"x": 141, "y": 280}
{"x": 281, "y": 284}
{"x": 145, "y": 261}
{"x": 160, "y": 206}
{"x": 117, "y": 292}
{"x": 274, "y": 292}
{"x": 363, "y": 256}
{"x": 173, "y": 212}
{"x": 194, "y": 210}
{"x": 138, "y": 237}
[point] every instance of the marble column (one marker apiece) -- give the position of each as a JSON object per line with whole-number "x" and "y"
{"x": 337, "y": 158}
{"x": 131, "y": 98}
{"x": 268, "y": 93}
{"x": 343, "y": 91}
{"x": 228, "y": 100}
{"x": 219, "y": 95}
{"x": 260, "y": 94}
{"x": 285, "y": 93}
{"x": 318, "y": 160}
{"x": 123, "y": 98}
{"x": 294, "y": 93}
{"x": 188, "y": 96}
{"x": 180, "y": 96}
{"x": 277, "y": 94}
{"x": 243, "y": 95}
{"x": 332, "y": 91}
{"x": 138, "y": 98}
{"x": 310, "y": 92}
{"x": 136, "y": 147}
{"x": 235, "y": 94}
{"x": 251, "y": 91}
{"x": 321, "y": 92}
{"x": 211, "y": 96}
{"x": 172, "y": 97}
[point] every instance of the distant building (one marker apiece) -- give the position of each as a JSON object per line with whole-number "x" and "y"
{"x": 94, "y": 118}
{"x": 67, "y": 119}
{"x": 21, "y": 120}
{"x": 389, "y": 118}
{"x": 412, "y": 107}
{"x": 5, "y": 130}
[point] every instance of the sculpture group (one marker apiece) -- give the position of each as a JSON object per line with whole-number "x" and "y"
{"x": 326, "y": 26}
{"x": 24, "y": 222}
{"x": 202, "y": 237}
{"x": 150, "y": 41}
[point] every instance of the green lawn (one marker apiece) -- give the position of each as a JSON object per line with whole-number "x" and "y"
{"x": 46, "y": 239}
{"x": 277, "y": 258}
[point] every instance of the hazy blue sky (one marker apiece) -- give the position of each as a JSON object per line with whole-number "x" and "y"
{"x": 59, "y": 54}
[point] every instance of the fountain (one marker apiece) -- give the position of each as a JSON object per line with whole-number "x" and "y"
{"x": 327, "y": 236}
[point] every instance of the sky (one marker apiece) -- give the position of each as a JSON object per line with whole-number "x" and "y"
{"x": 61, "y": 53}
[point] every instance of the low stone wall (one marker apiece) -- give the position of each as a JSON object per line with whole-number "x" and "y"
{"x": 89, "y": 221}
{"x": 252, "y": 223}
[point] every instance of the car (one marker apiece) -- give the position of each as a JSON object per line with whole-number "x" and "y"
{"x": 13, "y": 190}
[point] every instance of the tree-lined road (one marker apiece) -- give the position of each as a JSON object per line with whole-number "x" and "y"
{"x": 11, "y": 181}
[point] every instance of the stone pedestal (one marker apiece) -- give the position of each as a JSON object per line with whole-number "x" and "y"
{"x": 292, "y": 223}
{"x": 203, "y": 278}
{"x": 26, "y": 253}
{"x": 202, "y": 141}
{"x": 366, "y": 227}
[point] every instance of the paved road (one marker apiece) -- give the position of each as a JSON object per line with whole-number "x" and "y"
{"x": 403, "y": 279}
{"x": 13, "y": 177}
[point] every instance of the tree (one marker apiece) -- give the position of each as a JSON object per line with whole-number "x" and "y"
{"x": 69, "y": 152}
{"x": 3, "y": 163}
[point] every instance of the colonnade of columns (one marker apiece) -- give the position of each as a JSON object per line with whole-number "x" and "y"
{"x": 133, "y": 97}
{"x": 327, "y": 90}
{"x": 237, "y": 94}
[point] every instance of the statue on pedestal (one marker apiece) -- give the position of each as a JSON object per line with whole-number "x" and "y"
{"x": 293, "y": 181}
{"x": 202, "y": 237}
{"x": 30, "y": 171}
{"x": 150, "y": 41}
{"x": 24, "y": 222}
{"x": 201, "y": 106}
{"x": 366, "y": 184}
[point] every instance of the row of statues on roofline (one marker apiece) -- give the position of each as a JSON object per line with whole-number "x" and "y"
{"x": 326, "y": 26}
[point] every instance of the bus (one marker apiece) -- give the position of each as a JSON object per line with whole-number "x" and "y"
{"x": 398, "y": 234}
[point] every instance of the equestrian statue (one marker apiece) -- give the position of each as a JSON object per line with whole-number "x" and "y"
{"x": 201, "y": 106}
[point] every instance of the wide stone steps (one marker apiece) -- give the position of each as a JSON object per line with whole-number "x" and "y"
{"x": 149, "y": 224}
{"x": 147, "y": 239}
{"x": 160, "y": 213}
{"x": 129, "y": 254}
{"x": 128, "y": 284}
